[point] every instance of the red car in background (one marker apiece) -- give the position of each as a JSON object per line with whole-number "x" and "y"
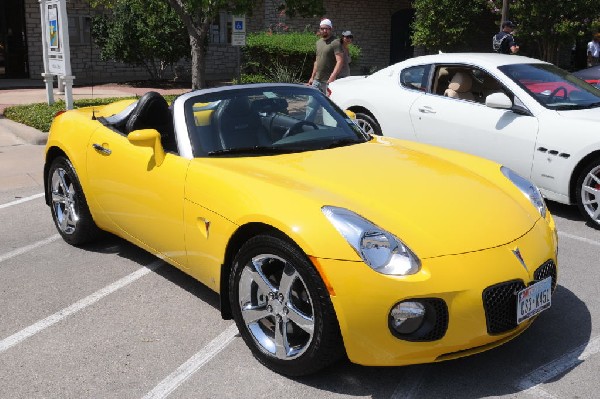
{"x": 590, "y": 75}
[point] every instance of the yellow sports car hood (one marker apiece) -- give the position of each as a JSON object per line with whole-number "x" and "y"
{"x": 421, "y": 194}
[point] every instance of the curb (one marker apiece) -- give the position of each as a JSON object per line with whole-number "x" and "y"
{"x": 24, "y": 132}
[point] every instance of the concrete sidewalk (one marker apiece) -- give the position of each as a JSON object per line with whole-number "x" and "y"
{"x": 18, "y": 92}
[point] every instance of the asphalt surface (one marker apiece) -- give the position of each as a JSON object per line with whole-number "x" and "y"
{"x": 112, "y": 321}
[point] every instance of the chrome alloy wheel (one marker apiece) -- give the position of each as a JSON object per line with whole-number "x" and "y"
{"x": 63, "y": 201}
{"x": 590, "y": 194}
{"x": 365, "y": 126}
{"x": 276, "y": 307}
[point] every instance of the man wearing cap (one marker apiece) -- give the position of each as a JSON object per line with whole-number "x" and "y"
{"x": 329, "y": 59}
{"x": 504, "y": 42}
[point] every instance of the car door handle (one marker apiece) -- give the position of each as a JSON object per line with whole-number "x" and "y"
{"x": 426, "y": 110}
{"x": 101, "y": 149}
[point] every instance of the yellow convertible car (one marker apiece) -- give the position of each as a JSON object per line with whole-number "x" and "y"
{"x": 321, "y": 240}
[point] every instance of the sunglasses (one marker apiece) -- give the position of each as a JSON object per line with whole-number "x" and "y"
{"x": 349, "y": 37}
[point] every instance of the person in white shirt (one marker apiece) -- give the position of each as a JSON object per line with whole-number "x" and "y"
{"x": 593, "y": 51}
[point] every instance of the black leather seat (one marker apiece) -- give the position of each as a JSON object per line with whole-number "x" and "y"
{"x": 237, "y": 125}
{"x": 152, "y": 112}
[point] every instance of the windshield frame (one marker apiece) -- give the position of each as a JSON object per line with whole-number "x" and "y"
{"x": 341, "y": 129}
{"x": 552, "y": 87}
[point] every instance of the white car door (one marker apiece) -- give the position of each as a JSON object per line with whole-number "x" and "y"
{"x": 501, "y": 135}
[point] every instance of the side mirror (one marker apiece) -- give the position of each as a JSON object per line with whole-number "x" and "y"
{"x": 498, "y": 100}
{"x": 148, "y": 138}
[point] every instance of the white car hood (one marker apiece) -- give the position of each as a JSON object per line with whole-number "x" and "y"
{"x": 592, "y": 114}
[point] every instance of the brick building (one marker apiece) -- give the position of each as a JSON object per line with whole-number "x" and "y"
{"x": 381, "y": 29}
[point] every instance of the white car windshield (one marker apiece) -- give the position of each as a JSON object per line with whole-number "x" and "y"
{"x": 265, "y": 120}
{"x": 553, "y": 87}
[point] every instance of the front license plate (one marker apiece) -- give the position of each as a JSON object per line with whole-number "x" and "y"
{"x": 533, "y": 299}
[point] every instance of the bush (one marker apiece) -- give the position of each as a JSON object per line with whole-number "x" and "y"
{"x": 287, "y": 56}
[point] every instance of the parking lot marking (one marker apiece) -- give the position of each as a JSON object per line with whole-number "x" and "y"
{"x": 27, "y": 248}
{"x": 193, "y": 364}
{"x": 20, "y": 201}
{"x": 530, "y": 384}
{"x": 76, "y": 307}
{"x": 574, "y": 237}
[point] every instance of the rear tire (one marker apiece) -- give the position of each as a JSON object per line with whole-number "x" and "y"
{"x": 368, "y": 124}
{"x": 587, "y": 192}
{"x": 282, "y": 308}
{"x": 68, "y": 205}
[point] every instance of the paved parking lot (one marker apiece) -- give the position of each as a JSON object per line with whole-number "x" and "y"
{"x": 113, "y": 321}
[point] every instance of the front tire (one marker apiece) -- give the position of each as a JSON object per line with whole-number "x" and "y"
{"x": 587, "y": 192}
{"x": 282, "y": 308}
{"x": 368, "y": 124}
{"x": 70, "y": 211}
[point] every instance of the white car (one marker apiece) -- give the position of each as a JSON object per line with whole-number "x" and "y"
{"x": 527, "y": 114}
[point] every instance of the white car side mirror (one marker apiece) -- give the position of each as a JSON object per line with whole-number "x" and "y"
{"x": 498, "y": 100}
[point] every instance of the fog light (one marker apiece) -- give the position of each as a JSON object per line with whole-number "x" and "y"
{"x": 407, "y": 317}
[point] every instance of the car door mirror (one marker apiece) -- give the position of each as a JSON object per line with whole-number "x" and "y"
{"x": 148, "y": 138}
{"x": 498, "y": 100}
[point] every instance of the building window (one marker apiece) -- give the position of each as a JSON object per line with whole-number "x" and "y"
{"x": 220, "y": 29}
{"x": 79, "y": 29}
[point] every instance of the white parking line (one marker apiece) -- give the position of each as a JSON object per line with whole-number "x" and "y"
{"x": 76, "y": 307}
{"x": 193, "y": 364}
{"x": 583, "y": 239}
{"x": 27, "y": 248}
{"x": 530, "y": 383}
{"x": 20, "y": 201}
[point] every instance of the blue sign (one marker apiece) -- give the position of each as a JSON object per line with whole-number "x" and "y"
{"x": 239, "y": 25}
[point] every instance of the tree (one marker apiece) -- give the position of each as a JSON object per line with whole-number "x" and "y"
{"x": 142, "y": 32}
{"x": 548, "y": 23}
{"x": 446, "y": 25}
{"x": 198, "y": 15}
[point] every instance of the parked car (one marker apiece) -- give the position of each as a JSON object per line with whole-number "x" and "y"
{"x": 590, "y": 75}
{"x": 529, "y": 115}
{"x": 320, "y": 239}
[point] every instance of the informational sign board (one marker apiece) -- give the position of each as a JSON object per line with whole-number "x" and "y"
{"x": 238, "y": 30}
{"x": 55, "y": 43}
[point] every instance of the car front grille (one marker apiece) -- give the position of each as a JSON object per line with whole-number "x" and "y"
{"x": 548, "y": 269}
{"x": 500, "y": 300}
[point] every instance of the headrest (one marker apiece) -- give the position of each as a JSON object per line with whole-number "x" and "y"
{"x": 236, "y": 106}
{"x": 460, "y": 82}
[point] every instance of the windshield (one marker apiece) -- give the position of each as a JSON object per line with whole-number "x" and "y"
{"x": 267, "y": 120}
{"x": 553, "y": 87}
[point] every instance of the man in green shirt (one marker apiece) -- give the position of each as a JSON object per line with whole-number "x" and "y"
{"x": 329, "y": 60}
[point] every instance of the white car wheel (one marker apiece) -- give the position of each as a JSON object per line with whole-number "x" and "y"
{"x": 588, "y": 192}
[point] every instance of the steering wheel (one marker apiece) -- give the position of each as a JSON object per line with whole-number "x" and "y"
{"x": 295, "y": 129}
{"x": 555, "y": 92}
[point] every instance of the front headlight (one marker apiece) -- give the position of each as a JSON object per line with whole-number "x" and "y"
{"x": 378, "y": 248}
{"x": 530, "y": 190}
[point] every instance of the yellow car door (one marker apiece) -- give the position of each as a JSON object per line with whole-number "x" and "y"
{"x": 141, "y": 198}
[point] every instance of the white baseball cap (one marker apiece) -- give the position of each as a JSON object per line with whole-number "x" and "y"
{"x": 326, "y": 22}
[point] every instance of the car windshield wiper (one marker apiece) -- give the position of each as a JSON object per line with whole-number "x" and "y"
{"x": 254, "y": 150}
{"x": 576, "y": 106}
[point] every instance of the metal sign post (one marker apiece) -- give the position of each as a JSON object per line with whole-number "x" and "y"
{"x": 238, "y": 39}
{"x": 55, "y": 42}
